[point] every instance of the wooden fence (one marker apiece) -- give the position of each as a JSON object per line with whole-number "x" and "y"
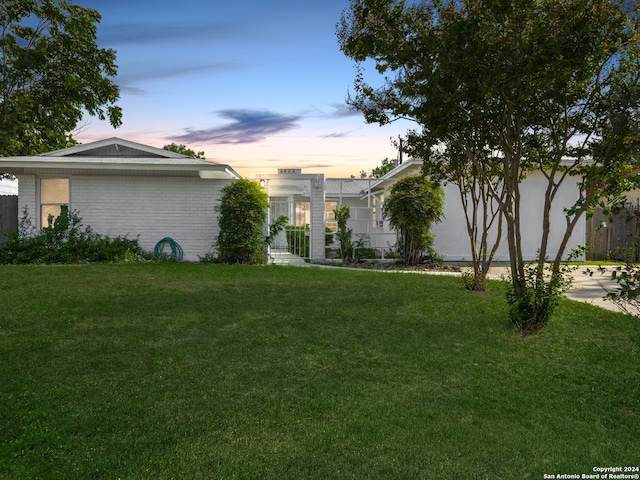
{"x": 8, "y": 215}
{"x": 616, "y": 238}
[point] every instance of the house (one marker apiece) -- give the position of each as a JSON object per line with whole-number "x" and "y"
{"x": 289, "y": 194}
{"x": 451, "y": 236}
{"x": 123, "y": 188}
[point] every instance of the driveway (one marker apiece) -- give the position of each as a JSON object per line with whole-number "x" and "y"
{"x": 585, "y": 288}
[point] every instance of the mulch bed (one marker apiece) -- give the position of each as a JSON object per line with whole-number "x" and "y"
{"x": 373, "y": 265}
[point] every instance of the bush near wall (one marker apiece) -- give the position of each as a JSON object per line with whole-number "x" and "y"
{"x": 65, "y": 240}
{"x": 242, "y": 217}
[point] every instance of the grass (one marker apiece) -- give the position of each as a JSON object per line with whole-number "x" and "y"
{"x": 190, "y": 371}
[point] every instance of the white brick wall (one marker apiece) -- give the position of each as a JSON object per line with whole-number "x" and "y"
{"x": 27, "y": 197}
{"x": 152, "y": 207}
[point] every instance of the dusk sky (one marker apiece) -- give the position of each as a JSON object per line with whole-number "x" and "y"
{"x": 256, "y": 84}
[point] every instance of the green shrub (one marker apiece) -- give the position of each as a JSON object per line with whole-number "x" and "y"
{"x": 414, "y": 204}
{"x": 543, "y": 289}
{"x": 365, "y": 253}
{"x": 432, "y": 258}
{"x": 361, "y": 249}
{"x": 243, "y": 214}
{"x": 342, "y": 214}
{"x": 473, "y": 282}
{"x": 65, "y": 240}
{"x": 626, "y": 295}
{"x": 276, "y": 228}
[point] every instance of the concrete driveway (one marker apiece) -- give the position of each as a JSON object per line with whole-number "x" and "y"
{"x": 592, "y": 289}
{"x": 585, "y": 288}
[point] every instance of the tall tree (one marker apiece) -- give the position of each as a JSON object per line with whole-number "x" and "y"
{"x": 184, "y": 150}
{"x": 553, "y": 86}
{"x": 457, "y": 164}
{"x": 381, "y": 170}
{"x": 51, "y": 72}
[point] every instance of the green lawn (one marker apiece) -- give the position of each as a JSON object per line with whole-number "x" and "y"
{"x": 168, "y": 371}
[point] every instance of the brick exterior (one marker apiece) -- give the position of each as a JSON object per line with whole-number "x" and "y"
{"x": 147, "y": 207}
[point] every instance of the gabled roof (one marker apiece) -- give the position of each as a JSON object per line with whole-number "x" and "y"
{"x": 412, "y": 166}
{"x": 114, "y": 147}
{"x": 115, "y": 154}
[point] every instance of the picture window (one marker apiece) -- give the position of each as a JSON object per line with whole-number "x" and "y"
{"x": 54, "y": 199}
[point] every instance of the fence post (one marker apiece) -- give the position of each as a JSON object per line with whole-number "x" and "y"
{"x": 8, "y": 215}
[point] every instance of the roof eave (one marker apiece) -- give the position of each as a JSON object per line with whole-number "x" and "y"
{"x": 223, "y": 172}
{"x": 19, "y": 166}
{"x": 393, "y": 175}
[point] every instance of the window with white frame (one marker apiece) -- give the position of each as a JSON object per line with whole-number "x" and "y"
{"x": 330, "y": 216}
{"x": 54, "y": 199}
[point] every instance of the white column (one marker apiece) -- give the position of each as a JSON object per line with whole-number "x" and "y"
{"x": 317, "y": 200}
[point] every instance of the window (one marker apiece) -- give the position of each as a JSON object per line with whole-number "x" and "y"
{"x": 330, "y": 216}
{"x": 54, "y": 198}
{"x": 303, "y": 213}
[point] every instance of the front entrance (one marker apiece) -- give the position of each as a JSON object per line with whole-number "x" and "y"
{"x": 299, "y": 198}
{"x": 295, "y": 239}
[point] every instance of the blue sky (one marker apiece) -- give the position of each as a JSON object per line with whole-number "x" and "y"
{"x": 259, "y": 85}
